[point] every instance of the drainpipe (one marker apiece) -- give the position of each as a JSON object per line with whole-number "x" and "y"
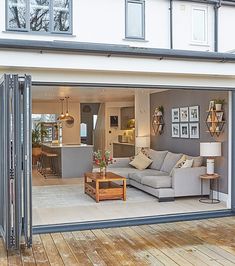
{"x": 171, "y": 24}
{"x": 216, "y": 24}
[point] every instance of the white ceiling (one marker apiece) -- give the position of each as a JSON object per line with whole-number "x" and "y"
{"x": 83, "y": 94}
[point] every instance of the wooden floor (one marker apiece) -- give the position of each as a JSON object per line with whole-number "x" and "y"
{"x": 204, "y": 242}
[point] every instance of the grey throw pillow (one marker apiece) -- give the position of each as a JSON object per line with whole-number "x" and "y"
{"x": 170, "y": 161}
{"x": 157, "y": 157}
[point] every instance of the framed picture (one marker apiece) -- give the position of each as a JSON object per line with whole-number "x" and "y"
{"x": 175, "y": 113}
{"x": 184, "y": 132}
{"x": 194, "y": 113}
{"x": 184, "y": 114}
{"x": 175, "y": 131}
{"x": 113, "y": 121}
{"x": 211, "y": 105}
{"x": 219, "y": 116}
{"x": 194, "y": 130}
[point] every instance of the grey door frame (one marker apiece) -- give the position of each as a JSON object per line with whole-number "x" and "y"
{"x": 152, "y": 219}
{"x": 16, "y": 160}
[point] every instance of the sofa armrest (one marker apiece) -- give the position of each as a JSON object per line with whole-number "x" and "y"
{"x": 120, "y": 162}
{"x": 186, "y": 181}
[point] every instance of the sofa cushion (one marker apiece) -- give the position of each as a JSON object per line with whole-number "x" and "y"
{"x": 188, "y": 164}
{"x": 157, "y": 157}
{"x": 157, "y": 181}
{"x": 197, "y": 161}
{"x": 170, "y": 161}
{"x": 141, "y": 161}
{"x": 147, "y": 172}
{"x": 123, "y": 171}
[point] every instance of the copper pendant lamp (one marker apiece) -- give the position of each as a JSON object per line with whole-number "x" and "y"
{"x": 61, "y": 117}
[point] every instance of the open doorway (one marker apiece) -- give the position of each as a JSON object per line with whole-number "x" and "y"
{"x": 117, "y": 120}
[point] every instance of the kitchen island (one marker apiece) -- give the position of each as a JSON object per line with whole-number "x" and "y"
{"x": 73, "y": 159}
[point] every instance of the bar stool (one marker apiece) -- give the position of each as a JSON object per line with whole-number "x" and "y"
{"x": 49, "y": 160}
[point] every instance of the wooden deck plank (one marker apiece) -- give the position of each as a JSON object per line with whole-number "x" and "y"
{"x": 202, "y": 242}
{"x": 77, "y": 250}
{"x": 63, "y": 249}
{"x": 39, "y": 252}
{"x": 51, "y": 250}
{"x": 3, "y": 254}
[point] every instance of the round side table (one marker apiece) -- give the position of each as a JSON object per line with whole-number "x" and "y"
{"x": 214, "y": 179}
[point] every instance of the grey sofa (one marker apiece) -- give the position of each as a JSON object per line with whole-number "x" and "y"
{"x": 161, "y": 178}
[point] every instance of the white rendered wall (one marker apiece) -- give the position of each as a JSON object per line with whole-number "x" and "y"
{"x": 103, "y": 21}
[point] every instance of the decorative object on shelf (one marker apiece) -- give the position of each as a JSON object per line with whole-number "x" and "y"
{"x": 184, "y": 114}
{"x": 184, "y": 132}
{"x": 194, "y": 113}
{"x": 175, "y": 115}
{"x": 102, "y": 161}
{"x": 210, "y": 150}
{"x": 175, "y": 131}
{"x": 142, "y": 142}
{"x": 113, "y": 121}
{"x": 158, "y": 120}
{"x": 219, "y": 104}
{"x": 215, "y": 117}
{"x": 131, "y": 124}
{"x": 62, "y": 115}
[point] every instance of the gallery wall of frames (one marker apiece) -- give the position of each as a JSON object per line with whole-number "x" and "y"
{"x": 185, "y": 122}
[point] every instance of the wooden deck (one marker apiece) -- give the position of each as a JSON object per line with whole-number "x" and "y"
{"x": 204, "y": 242}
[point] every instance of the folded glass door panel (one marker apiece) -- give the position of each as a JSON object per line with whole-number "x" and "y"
{"x": 15, "y": 166}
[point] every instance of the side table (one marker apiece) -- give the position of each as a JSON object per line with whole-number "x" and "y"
{"x": 214, "y": 179}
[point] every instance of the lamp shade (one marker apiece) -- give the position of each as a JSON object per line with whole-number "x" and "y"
{"x": 210, "y": 149}
{"x": 142, "y": 142}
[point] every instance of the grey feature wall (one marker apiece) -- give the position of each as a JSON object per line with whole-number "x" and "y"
{"x": 185, "y": 98}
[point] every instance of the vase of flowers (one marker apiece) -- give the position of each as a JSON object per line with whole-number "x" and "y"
{"x": 102, "y": 161}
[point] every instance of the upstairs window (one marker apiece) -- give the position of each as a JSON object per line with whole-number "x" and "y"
{"x": 199, "y": 25}
{"x": 48, "y": 16}
{"x": 135, "y": 19}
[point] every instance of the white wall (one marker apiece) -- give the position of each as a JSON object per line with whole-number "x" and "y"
{"x": 71, "y": 134}
{"x": 103, "y": 21}
{"x": 114, "y": 109}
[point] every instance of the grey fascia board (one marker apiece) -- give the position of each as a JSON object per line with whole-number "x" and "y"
{"x": 112, "y": 49}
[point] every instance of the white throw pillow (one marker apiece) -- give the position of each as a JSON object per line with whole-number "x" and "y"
{"x": 141, "y": 161}
{"x": 187, "y": 164}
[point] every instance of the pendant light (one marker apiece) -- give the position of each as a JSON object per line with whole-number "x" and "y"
{"x": 69, "y": 119}
{"x": 62, "y": 115}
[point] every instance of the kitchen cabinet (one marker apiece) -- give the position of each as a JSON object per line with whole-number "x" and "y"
{"x": 127, "y": 113}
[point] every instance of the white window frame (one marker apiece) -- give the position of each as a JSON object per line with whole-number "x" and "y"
{"x": 141, "y": 2}
{"x": 205, "y": 10}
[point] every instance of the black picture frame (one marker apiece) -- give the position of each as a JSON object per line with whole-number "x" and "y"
{"x": 113, "y": 121}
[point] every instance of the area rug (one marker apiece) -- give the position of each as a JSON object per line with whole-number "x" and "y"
{"x": 73, "y": 195}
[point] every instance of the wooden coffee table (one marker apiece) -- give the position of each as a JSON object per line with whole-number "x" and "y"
{"x": 104, "y": 188}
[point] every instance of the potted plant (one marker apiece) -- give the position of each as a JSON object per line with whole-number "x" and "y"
{"x": 218, "y": 104}
{"x": 38, "y": 133}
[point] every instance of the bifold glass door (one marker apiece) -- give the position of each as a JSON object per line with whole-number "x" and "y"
{"x": 15, "y": 163}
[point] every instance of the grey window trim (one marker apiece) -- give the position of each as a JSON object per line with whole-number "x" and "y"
{"x": 142, "y": 2}
{"x": 51, "y": 17}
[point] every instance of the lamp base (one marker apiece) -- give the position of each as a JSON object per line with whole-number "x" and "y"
{"x": 210, "y": 166}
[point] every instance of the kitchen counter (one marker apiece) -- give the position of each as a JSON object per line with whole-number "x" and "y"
{"x": 73, "y": 159}
{"x": 121, "y": 149}
{"x": 64, "y": 145}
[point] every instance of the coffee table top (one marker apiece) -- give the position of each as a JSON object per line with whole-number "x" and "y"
{"x": 108, "y": 177}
